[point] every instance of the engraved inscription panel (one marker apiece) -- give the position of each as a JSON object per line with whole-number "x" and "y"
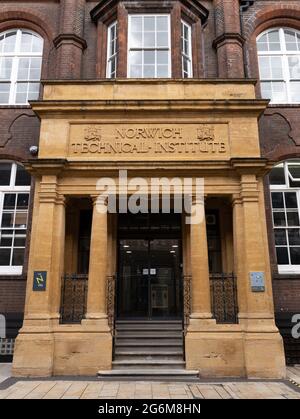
{"x": 200, "y": 141}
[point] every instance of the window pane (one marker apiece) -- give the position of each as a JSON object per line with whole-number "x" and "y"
{"x": 291, "y": 200}
{"x": 136, "y": 57}
{"x": 21, "y": 96}
{"x": 23, "y": 70}
{"x": 294, "y": 236}
{"x": 5, "y": 172}
{"x": 136, "y": 24}
{"x": 276, "y": 67}
{"x": 279, "y": 219}
{"x": 136, "y": 40}
{"x": 5, "y": 257}
{"x": 149, "y": 71}
{"x": 277, "y": 176}
{"x": 7, "y": 219}
{"x": 162, "y": 23}
{"x": 162, "y": 71}
{"x": 4, "y": 92}
{"x": 264, "y": 68}
{"x": 295, "y": 91}
{"x": 18, "y": 257}
{"x": 290, "y": 39}
{"x": 282, "y": 255}
{"x": 162, "y": 39}
{"x": 22, "y": 201}
{"x": 149, "y": 23}
{"x": 23, "y": 178}
{"x": 280, "y": 236}
{"x": 292, "y": 218}
{"x": 136, "y": 71}
{"x": 294, "y": 170}
{"x": 266, "y": 90}
{"x": 277, "y": 200}
{"x": 21, "y": 219}
{"x": 9, "y": 201}
{"x": 37, "y": 44}
{"x": 19, "y": 241}
{"x": 162, "y": 57}
{"x": 35, "y": 69}
{"x": 279, "y": 92}
{"x": 149, "y": 39}
{"x": 294, "y": 67}
{"x": 5, "y": 241}
{"x": 9, "y": 42}
{"x": 149, "y": 57}
{"x": 5, "y": 68}
{"x": 295, "y": 255}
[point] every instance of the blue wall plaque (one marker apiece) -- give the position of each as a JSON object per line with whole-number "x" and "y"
{"x": 257, "y": 280}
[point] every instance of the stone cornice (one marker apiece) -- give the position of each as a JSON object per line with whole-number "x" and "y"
{"x": 66, "y": 38}
{"x": 252, "y": 106}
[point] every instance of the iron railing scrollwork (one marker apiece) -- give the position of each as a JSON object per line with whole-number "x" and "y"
{"x": 187, "y": 307}
{"x": 223, "y": 291}
{"x": 111, "y": 301}
{"x": 73, "y": 298}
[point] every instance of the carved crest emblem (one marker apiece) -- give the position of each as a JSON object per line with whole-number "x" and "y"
{"x": 92, "y": 134}
{"x": 205, "y": 133}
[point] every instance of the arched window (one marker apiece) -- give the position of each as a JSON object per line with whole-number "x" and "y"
{"x": 285, "y": 194}
{"x": 279, "y": 65}
{"x": 20, "y": 66}
{"x": 14, "y": 199}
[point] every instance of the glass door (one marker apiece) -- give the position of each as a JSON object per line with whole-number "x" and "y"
{"x": 149, "y": 282}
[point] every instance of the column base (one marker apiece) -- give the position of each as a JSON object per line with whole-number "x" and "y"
{"x": 230, "y": 351}
{"x": 78, "y": 349}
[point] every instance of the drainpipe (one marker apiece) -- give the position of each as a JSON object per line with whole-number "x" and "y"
{"x": 244, "y": 6}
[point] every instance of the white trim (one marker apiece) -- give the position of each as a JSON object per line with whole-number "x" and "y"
{"x": 15, "y": 56}
{"x": 152, "y": 49}
{"x": 284, "y": 54}
{"x": 189, "y": 57}
{"x": 14, "y": 231}
{"x": 109, "y": 57}
{"x": 289, "y": 269}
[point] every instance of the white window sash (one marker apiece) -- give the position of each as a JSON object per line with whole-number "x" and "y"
{"x": 285, "y": 54}
{"x": 109, "y": 56}
{"x": 16, "y": 55}
{"x": 129, "y": 48}
{"x": 189, "y": 57}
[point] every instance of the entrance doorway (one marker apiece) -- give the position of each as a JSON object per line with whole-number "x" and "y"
{"x": 149, "y": 266}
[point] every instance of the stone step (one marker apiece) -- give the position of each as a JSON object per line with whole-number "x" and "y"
{"x": 148, "y": 352}
{"x": 151, "y": 373}
{"x": 138, "y": 322}
{"x": 148, "y": 343}
{"x": 148, "y": 364}
{"x": 148, "y": 334}
{"x": 142, "y": 327}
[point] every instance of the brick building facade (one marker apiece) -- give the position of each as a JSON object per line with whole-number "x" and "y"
{"x": 224, "y": 47}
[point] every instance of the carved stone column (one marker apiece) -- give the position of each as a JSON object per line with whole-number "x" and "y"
{"x": 96, "y": 300}
{"x": 201, "y": 303}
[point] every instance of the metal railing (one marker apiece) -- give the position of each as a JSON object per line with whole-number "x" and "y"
{"x": 73, "y": 298}
{"x": 223, "y": 292}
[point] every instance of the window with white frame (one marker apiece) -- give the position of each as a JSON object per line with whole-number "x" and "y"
{"x": 20, "y": 66}
{"x": 149, "y": 46}
{"x": 112, "y": 52}
{"x": 285, "y": 196}
{"x": 186, "y": 50}
{"x": 14, "y": 200}
{"x": 279, "y": 65}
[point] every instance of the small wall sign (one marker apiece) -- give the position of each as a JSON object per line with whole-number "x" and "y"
{"x": 39, "y": 280}
{"x": 257, "y": 280}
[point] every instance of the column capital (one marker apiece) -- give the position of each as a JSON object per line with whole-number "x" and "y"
{"x": 99, "y": 199}
{"x": 198, "y": 200}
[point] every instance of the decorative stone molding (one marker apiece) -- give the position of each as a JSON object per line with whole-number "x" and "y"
{"x": 69, "y": 38}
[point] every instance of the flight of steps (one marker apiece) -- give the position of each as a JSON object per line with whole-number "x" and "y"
{"x": 148, "y": 348}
